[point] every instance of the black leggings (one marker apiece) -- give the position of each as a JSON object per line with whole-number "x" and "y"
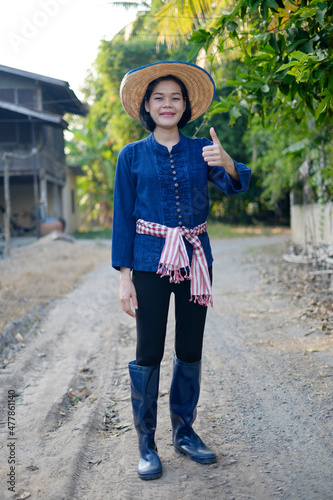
{"x": 153, "y": 293}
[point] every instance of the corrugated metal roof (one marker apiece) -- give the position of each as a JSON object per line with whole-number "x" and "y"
{"x": 60, "y": 89}
{"x": 42, "y": 116}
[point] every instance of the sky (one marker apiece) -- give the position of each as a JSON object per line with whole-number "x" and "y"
{"x": 57, "y": 38}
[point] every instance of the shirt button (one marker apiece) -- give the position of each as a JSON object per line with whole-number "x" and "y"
{"x": 177, "y": 203}
{"x": 176, "y": 185}
{"x": 180, "y": 223}
{"x": 174, "y": 172}
{"x": 176, "y": 192}
{"x": 178, "y": 210}
{"x": 171, "y": 156}
{"x": 174, "y": 178}
{"x": 172, "y": 161}
{"x": 177, "y": 197}
{"x": 180, "y": 217}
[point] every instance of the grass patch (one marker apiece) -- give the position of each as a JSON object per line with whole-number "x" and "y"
{"x": 219, "y": 230}
{"x": 94, "y": 234}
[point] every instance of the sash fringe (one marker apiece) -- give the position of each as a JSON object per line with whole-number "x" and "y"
{"x": 175, "y": 275}
{"x": 202, "y": 300}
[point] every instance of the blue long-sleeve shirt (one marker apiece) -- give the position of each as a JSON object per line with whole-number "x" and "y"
{"x": 169, "y": 188}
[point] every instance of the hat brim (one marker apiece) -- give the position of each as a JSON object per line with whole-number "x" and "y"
{"x": 199, "y": 84}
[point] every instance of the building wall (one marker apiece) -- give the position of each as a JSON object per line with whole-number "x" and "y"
{"x": 22, "y": 203}
{"x": 18, "y": 84}
{"x": 311, "y": 223}
{"x": 56, "y": 183}
{"x": 54, "y": 204}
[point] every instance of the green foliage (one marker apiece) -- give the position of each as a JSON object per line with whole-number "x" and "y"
{"x": 278, "y": 151}
{"x": 92, "y": 150}
{"x": 286, "y": 48}
{"x": 283, "y": 85}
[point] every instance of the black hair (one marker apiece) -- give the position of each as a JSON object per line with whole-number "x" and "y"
{"x": 145, "y": 117}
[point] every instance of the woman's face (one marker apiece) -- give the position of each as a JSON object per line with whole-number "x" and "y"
{"x": 166, "y": 104}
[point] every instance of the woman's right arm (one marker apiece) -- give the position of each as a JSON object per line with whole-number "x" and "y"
{"x": 127, "y": 293}
{"x": 123, "y": 231}
{"x": 124, "y": 224}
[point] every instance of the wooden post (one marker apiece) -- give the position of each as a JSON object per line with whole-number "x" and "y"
{"x": 7, "y": 205}
{"x": 36, "y": 190}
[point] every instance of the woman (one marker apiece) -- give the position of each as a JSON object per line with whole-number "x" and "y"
{"x": 160, "y": 231}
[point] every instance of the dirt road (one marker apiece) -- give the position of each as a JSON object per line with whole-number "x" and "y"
{"x": 266, "y": 404}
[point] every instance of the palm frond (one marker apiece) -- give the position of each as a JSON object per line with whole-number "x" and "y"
{"x": 176, "y": 20}
{"x": 129, "y": 4}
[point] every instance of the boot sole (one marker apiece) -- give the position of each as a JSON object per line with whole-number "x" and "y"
{"x": 207, "y": 461}
{"x": 148, "y": 477}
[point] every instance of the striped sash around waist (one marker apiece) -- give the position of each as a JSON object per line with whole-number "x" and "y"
{"x": 174, "y": 257}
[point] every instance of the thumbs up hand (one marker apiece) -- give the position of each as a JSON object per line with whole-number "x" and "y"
{"x": 216, "y": 156}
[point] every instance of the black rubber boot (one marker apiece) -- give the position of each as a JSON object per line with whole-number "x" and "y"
{"x": 184, "y": 396}
{"x": 144, "y": 390}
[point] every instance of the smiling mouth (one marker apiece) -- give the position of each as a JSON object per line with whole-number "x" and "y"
{"x": 167, "y": 114}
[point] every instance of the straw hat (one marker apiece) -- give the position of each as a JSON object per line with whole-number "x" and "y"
{"x": 199, "y": 84}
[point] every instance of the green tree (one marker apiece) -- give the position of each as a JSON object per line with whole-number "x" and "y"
{"x": 285, "y": 78}
{"x": 171, "y": 22}
{"x": 278, "y": 151}
{"x": 91, "y": 148}
{"x": 286, "y": 47}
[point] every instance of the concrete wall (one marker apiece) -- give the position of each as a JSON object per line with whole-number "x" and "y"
{"x": 69, "y": 201}
{"x": 310, "y": 223}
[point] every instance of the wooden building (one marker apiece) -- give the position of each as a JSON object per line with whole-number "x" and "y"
{"x": 41, "y": 184}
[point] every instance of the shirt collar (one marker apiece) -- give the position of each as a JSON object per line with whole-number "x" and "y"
{"x": 163, "y": 149}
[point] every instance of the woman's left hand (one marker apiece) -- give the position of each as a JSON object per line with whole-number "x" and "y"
{"x": 216, "y": 156}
